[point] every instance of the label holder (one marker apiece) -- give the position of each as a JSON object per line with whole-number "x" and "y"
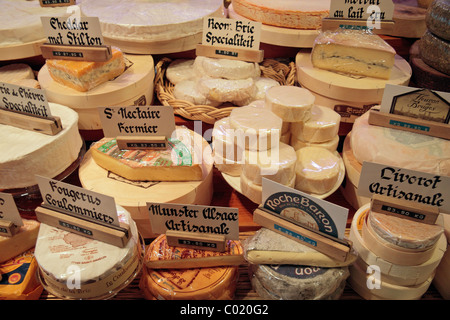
{"x": 338, "y": 249}
{"x": 51, "y": 125}
{"x": 8, "y": 228}
{"x": 141, "y": 142}
{"x": 117, "y": 236}
{"x": 196, "y": 240}
{"x": 76, "y": 52}
{"x": 230, "y": 53}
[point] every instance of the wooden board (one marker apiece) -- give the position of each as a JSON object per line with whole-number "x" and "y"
{"x": 343, "y": 87}
{"x": 133, "y": 87}
{"x": 21, "y": 51}
{"x": 409, "y": 19}
{"x": 133, "y": 196}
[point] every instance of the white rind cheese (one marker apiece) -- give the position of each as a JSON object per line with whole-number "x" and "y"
{"x": 223, "y": 90}
{"x": 32, "y": 153}
{"x": 329, "y": 145}
{"x": 16, "y": 72}
{"x": 179, "y": 70}
{"x": 353, "y": 52}
{"x": 188, "y": 90}
{"x": 290, "y": 103}
{"x": 226, "y": 68}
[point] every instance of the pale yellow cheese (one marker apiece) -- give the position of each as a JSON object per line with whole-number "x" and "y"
{"x": 329, "y": 145}
{"x": 23, "y": 240}
{"x": 290, "y": 103}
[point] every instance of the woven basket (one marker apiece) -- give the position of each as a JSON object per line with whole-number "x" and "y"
{"x": 282, "y": 73}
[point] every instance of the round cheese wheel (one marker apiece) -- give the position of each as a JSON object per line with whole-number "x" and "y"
{"x": 230, "y": 167}
{"x": 290, "y": 103}
{"x": 215, "y": 283}
{"x": 317, "y": 170}
{"x": 288, "y": 282}
{"x": 277, "y": 164}
{"x": 15, "y": 72}
{"x": 435, "y": 52}
{"x": 256, "y": 128}
{"x": 76, "y": 267}
{"x": 224, "y": 141}
{"x": 322, "y": 126}
{"x": 225, "y": 90}
{"x": 399, "y": 148}
{"x": 188, "y": 90}
{"x": 180, "y": 69}
{"x": 226, "y": 68}
{"x": 437, "y": 19}
{"x": 330, "y": 145}
{"x": 403, "y": 232}
{"x": 32, "y": 153}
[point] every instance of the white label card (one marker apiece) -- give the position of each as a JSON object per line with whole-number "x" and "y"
{"x": 194, "y": 218}
{"x": 73, "y": 30}
{"x": 404, "y": 184}
{"x": 24, "y": 99}
{"x": 8, "y": 209}
{"x": 370, "y": 10}
{"x": 137, "y": 121}
{"x": 80, "y": 202}
{"x": 225, "y": 32}
{"x": 304, "y": 209}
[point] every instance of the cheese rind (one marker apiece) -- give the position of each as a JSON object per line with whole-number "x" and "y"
{"x": 23, "y": 240}
{"x": 353, "y": 52}
{"x": 85, "y": 75}
{"x": 225, "y": 90}
{"x": 329, "y": 145}
{"x": 290, "y": 103}
{"x": 187, "y": 89}
{"x": 226, "y": 68}
{"x": 15, "y": 72}
{"x": 437, "y": 19}
{"x": 180, "y": 69}
{"x": 435, "y": 52}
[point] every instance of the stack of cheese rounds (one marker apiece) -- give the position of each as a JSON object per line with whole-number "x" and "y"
{"x": 284, "y": 269}
{"x": 441, "y": 279}
{"x": 72, "y": 266}
{"x": 397, "y": 258}
{"x": 179, "y": 273}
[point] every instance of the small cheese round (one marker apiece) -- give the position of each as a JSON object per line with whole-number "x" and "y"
{"x": 317, "y": 170}
{"x": 179, "y": 70}
{"x": 14, "y": 72}
{"x": 404, "y": 232}
{"x": 290, "y": 103}
{"x": 322, "y": 126}
{"x": 226, "y": 68}
{"x": 225, "y": 90}
{"x": 437, "y": 19}
{"x": 277, "y": 164}
{"x": 329, "y": 145}
{"x": 256, "y": 128}
{"x": 224, "y": 141}
{"x": 262, "y": 85}
{"x": 188, "y": 90}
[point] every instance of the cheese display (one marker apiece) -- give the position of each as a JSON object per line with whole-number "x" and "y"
{"x": 23, "y": 240}
{"x": 85, "y": 75}
{"x": 152, "y": 26}
{"x": 269, "y": 247}
{"x": 287, "y": 13}
{"x": 18, "y": 279}
{"x": 322, "y": 126}
{"x": 354, "y": 52}
{"x": 317, "y": 170}
{"x": 22, "y": 21}
{"x": 435, "y": 52}
{"x": 290, "y": 103}
{"x": 72, "y": 266}
{"x": 437, "y": 19}
{"x": 32, "y": 153}
{"x": 289, "y": 282}
{"x": 402, "y": 280}
{"x": 160, "y": 255}
{"x": 214, "y": 283}
{"x": 399, "y": 148}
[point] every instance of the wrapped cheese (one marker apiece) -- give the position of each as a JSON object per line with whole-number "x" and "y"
{"x": 226, "y": 68}
{"x": 179, "y": 70}
{"x": 290, "y": 103}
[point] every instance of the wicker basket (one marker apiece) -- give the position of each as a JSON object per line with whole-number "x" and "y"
{"x": 285, "y": 74}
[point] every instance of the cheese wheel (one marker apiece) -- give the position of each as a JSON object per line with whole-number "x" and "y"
{"x": 330, "y": 145}
{"x": 435, "y": 52}
{"x": 276, "y": 164}
{"x": 12, "y": 73}
{"x": 288, "y": 282}
{"x": 100, "y": 269}
{"x": 230, "y": 167}
{"x": 160, "y": 255}
{"x": 290, "y": 103}
{"x": 399, "y": 148}
{"x": 437, "y": 19}
{"x": 256, "y": 128}
{"x": 262, "y": 85}
{"x": 23, "y": 240}
{"x": 33, "y": 153}
{"x": 225, "y": 90}
{"x": 180, "y": 69}
{"x": 322, "y": 126}
{"x": 271, "y": 248}
{"x": 405, "y": 233}
{"x": 188, "y": 90}
{"x": 317, "y": 170}
{"x": 215, "y": 283}
{"x": 224, "y": 141}
{"x": 226, "y": 68}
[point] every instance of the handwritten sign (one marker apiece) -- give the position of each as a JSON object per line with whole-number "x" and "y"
{"x": 8, "y": 209}
{"x": 79, "y": 202}
{"x": 194, "y": 218}
{"x": 73, "y": 30}
{"x": 371, "y": 10}
{"x": 24, "y": 99}
{"x": 403, "y": 184}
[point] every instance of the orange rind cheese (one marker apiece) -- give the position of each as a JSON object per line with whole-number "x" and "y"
{"x": 160, "y": 255}
{"x": 86, "y": 75}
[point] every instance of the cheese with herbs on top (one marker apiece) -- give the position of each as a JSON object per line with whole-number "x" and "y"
{"x": 353, "y": 52}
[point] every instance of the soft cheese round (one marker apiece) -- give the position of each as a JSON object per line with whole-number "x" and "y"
{"x": 290, "y": 103}
{"x": 187, "y": 89}
{"x": 399, "y": 148}
{"x": 151, "y": 20}
{"x": 16, "y": 72}
{"x": 21, "y": 21}
{"x": 179, "y": 70}
{"x": 226, "y": 90}
{"x": 64, "y": 256}
{"x": 30, "y": 153}
{"x": 226, "y": 68}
